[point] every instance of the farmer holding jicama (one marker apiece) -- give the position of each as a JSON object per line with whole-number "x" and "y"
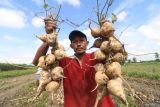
{"x": 80, "y": 74}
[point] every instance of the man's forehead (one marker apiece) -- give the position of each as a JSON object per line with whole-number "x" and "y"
{"x": 78, "y": 37}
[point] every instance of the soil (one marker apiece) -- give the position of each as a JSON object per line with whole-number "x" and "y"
{"x": 13, "y": 92}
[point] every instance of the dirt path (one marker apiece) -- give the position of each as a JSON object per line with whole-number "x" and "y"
{"x": 11, "y": 88}
{"x": 146, "y": 90}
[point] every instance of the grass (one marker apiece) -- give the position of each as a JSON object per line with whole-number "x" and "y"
{"x": 150, "y": 70}
{"x": 13, "y": 73}
{"x": 7, "y": 66}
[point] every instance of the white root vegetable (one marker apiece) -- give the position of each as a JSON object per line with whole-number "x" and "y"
{"x": 118, "y": 57}
{"x": 45, "y": 78}
{"x": 60, "y": 54}
{"x": 100, "y": 76}
{"x": 107, "y": 29}
{"x": 115, "y": 87}
{"x": 50, "y": 59}
{"x": 52, "y": 86}
{"x": 95, "y": 32}
{"x": 113, "y": 70}
{"x": 42, "y": 37}
{"x": 101, "y": 92}
{"x": 115, "y": 45}
{"x": 99, "y": 55}
{"x": 41, "y": 62}
{"x": 51, "y": 38}
{"x": 97, "y": 43}
{"x": 57, "y": 73}
{"x": 99, "y": 67}
{"x": 105, "y": 47}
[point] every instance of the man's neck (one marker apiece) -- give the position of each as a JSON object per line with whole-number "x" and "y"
{"x": 79, "y": 56}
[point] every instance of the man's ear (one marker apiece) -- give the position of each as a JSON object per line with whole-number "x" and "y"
{"x": 87, "y": 42}
{"x": 71, "y": 46}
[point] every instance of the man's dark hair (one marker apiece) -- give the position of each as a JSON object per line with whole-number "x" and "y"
{"x": 76, "y": 33}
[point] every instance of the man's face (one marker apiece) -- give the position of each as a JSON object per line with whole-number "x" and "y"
{"x": 79, "y": 44}
{"x": 49, "y": 27}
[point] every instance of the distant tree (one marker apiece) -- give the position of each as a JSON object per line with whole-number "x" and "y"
{"x": 134, "y": 59}
{"x": 156, "y": 56}
{"x": 129, "y": 61}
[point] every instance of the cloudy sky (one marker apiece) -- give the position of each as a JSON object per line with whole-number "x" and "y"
{"x": 19, "y": 25}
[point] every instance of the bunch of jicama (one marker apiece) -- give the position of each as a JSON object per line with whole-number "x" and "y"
{"x": 111, "y": 52}
{"x": 51, "y": 74}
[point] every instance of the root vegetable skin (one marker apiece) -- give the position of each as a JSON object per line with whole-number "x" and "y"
{"x": 118, "y": 57}
{"x": 115, "y": 45}
{"x": 50, "y": 59}
{"x": 113, "y": 70}
{"x": 115, "y": 87}
{"x": 107, "y": 29}
{"x": 99, "y": 55}
{"x": 95, "y": 32}
{"x": 105, "y": 47}
{"x": 44, "y": 79}
{"x": 59, "y": 54}
{"x": 57, "y": 73}
{"x": 52, "y": 86}
{"x": 41, "y": 62}
{"x": 99, "y": 67}
{"x": 97, "y": 43}
{"x": 49, "y": 38}
{"x": 101, "y": 92}
{"x": 101, "y": 78}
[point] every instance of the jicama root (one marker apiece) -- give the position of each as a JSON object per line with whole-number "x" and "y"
{"x": 95, "y": 32}
{"x": 115, "y": 87}
{"x": 99, "y": 55}
{"x": 99, "y": 67}
{"x": 115, "y": 45}
{"x": 113, "y": 70}
{"x": 105, "y": 47}
{"x": 41, "y": 62}
{"x": 45, "y": 78}
{"x": 107, "y": 29}
{"x": 50, "y": 59}
{"x": 97, "y": 43}
{"x": 52, "y": 87}
{"x": 57, "y": 73}
{"x": 60, "y": 54}
{"x": 101, "y": 92}
{"x": 100, "y": 76}
{"x": 118, "y": 57}
{"x": 51, "y": 38}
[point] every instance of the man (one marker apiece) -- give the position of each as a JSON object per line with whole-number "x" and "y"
{"x": 80, "y": 75}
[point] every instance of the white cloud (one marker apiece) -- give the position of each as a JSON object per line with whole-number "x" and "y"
{"x": 38, "y": 43}
{"x": 6, "y": 3}
{"x": 12, "y": 18}
{"x": 122, "y": 16}
{"x": 11, "y": 38}
{"x": 151, "y": 29}
{"x": 126, "y": 4}
{"x": 75, "y": 3}
{"x": 37, "y": 22}
{"x": 87, "y": 32}
{"x": 133, "y": 45}
{"x": 38, "y": 2}
{"x": 65, "y": 43}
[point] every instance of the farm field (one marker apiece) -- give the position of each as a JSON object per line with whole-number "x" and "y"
{"x": 143, "y": 78}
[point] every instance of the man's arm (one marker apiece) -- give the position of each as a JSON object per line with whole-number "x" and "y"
{"x": 42, "y": 50}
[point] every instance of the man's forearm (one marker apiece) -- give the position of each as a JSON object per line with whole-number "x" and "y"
{"x": 42, "y": 50}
